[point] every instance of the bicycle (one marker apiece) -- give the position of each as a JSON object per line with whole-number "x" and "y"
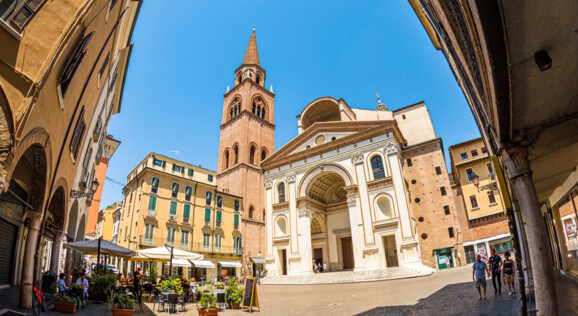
{"x": 39, "y": 301}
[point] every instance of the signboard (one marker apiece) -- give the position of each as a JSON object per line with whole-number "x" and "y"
{"x": 250, "y": 297}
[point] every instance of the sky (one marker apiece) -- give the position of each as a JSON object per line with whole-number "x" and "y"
{"x": 185, "y": 54}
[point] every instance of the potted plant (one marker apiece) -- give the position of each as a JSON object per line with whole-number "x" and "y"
{"x": 152, "y": 273}
{"x": 171, "y": 284}
{"x": 207, "y": 305}
{"x": 124, "y": 306}
{"x": 236, "y": 297}
{"x": 64, "y": 303}
{"x": 101, "y": 284}
{"x": 219, "y": 285}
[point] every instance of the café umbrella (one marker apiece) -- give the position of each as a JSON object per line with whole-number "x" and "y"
{"x": 165, "y": 253}
{"x": 99, "y": 246}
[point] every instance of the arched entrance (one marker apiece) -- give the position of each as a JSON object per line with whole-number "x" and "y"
{"x": 324, "y": 209}
{"x": 51, "y": 241}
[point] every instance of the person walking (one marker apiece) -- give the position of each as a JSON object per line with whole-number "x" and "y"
{"x": 479, "y": 275}
{"x": 509, "y": 272}
{"x": 495, "y": 267}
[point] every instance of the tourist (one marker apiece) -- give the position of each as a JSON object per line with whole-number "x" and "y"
{"x": 508, "y": 272}
{"x": 84, "y": 282}
{"x": 136, "y": 279}
{"x": 479, "y": 275}
{"x": 495, "y": 267}
{"x": 62, "y": 284}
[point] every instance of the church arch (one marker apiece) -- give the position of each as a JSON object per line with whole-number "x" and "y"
{"x": 235, "y": 154}
{"x": 383, "y": 207}
{"x": 377, "y": 166}
{"x": 260, "y": 107}
{"x": 334, "y": 168}
{"x": 252, "y": 151}
{"x": 324, "y": 109}
{"x": 318, "y": 225}
{"x": 235, "y": 107}
{"x": 251, "y": 211}
{"x": 281, "y": 192}
{"x": 226, "y": 159}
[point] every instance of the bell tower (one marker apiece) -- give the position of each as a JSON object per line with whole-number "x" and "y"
{"x": 247, "y": 138}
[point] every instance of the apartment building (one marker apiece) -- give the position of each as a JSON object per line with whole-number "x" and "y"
{"x": 173, "y": 203}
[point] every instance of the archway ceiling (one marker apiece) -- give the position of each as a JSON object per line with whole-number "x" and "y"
{"x": 324, "y": 188}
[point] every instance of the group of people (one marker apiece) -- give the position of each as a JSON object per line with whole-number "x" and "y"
{"x": 497, "y": 269}
{"x": 62, "y": 287}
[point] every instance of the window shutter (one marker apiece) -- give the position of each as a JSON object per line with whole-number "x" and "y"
{"x": 207, "y": 214}
{"x": 219, "y": 216}
{"x": 175, "y": 187}
{"x": 164, "y": 163}
{"x": 236, "y": 205}
{"x": 188, "y": 190}
{"x": 155, "y": 182}
{"x": 210, "y": 178}
{"x": 152, "y": 203}
{"x": 236, "y": 220}
{"x": 173, "y": 207}
{"x": 187, "y": 210}
{"x": 25, "y": 12}
{"x": 191, "y": 172}
{"x": 209, "y": 195}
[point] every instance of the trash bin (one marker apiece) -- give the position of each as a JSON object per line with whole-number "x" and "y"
{"x": 48, "y": 279}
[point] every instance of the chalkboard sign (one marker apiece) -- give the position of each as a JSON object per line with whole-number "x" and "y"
{"x": 250, "y": 297}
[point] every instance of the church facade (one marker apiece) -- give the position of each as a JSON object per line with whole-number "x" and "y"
{"x": 337, "y": 195}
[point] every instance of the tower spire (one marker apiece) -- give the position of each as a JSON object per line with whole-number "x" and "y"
{"x": 252, "y": 54}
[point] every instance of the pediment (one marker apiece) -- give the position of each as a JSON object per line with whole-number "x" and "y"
{"x": 344, "y": 133}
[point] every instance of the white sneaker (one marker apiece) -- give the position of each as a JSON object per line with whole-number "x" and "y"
{"x": 510, "y": 293}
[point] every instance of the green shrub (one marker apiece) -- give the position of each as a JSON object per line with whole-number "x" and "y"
{"x": 102, "y": 283}
{"x": 124, "y": 301}
{"x": 207, "y": 301}
{"x": 172, "y": 284}
{"x": 62, "y": 297}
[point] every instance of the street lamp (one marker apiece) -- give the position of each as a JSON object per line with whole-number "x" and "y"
{"x": 78, "y": 194}
{"x": 476, "y": 180}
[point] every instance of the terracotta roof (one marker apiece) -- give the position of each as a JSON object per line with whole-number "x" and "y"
{"x": 252, "y": 55}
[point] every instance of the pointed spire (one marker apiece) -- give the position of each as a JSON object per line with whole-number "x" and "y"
{"x": 381, "y": 106}
{"x": 228, "y": 88}
{"x": 252, "y": 55}
{"x": 271, "y": 88}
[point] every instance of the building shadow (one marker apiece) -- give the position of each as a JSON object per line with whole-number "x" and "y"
{"x": 455, "y": 299}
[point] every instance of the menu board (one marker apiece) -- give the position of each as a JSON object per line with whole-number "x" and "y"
{"x": 250, "y": 298}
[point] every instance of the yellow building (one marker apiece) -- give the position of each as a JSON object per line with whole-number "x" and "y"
{"x": 108, "y": 219}
{"x": 171, "y": 202}
{"x": 481, "y": 211}
{"x": 62, "y": 71}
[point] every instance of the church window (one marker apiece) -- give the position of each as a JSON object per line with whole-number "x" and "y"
{"x": 263, "y": 113}
{"x": 264, "y": 215}
{"x": 258, "y": 79}
{"x": 377, "y": 166}
{"x": 235, "y": 106}
{"x": 236, "y": 154}
{"x": 259, "y": 111}
{"x": 252, "y": 155}
{"x": 281, "y": 191}
{"x": 226, "y": 159}
{"x": 251, "y": 211}
{"x": 263, "y": 154}
{"x": 254, "y": 108}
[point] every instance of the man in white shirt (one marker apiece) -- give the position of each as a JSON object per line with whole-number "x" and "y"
{"x": 84, "y": 282}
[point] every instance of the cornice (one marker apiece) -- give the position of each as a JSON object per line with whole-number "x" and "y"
{"x": 364, "y": 129}
{"x": 251, "y": 116}
{"x": 414, "y": 147}
{"x": 251, "y": 82}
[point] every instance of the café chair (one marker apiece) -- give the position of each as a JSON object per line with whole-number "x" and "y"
{"x": 221, "y": 298}
{"x": 159, "y": 300}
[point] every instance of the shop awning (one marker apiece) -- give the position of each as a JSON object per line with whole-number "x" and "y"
{"x": 203, "y": 264}
{"x": 258, "y": 260}
{"x": 230, "y": 264}
{"x": 181, "y": 263}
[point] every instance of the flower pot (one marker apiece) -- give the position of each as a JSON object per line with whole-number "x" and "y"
{"x": 63, "y": 307}
{"x": 122, "y": 312}
{"x": 236, "y": 305}
{"x": 208, "y": 311}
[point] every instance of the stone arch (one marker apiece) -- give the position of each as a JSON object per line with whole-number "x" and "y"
{"x": 56, "y": 212}
{"x": 383, "y": 205}
{"x": 235, "y": 106}
{"x": 226, "y": 158}
{"x": 259, "y": 103}
{"x": 281, "y": 224}
{"x": 235, "y": 154}
{"x": 36, "y": 138}
{"x": 264, "y": 153}
{"x": 318, "y": 225}
{"x": 6, "y": 135}
{"x": 81, "y": 228}
{"x": 72, "y": 220}
{"x": 252, "y": 153}
{"x": 323, "y": 168}
{"x": 251, "y": 211}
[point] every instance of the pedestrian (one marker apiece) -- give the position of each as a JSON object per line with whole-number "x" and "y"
{"x": 62, "y": 284}
{"x": 495, "y": 267}
{"x": 509, "y": 272}
{"x": 479, "y": 275}
{"x": 136, "y": 280}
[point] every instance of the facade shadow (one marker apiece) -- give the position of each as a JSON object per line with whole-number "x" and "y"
{"x": 455, "y": 299}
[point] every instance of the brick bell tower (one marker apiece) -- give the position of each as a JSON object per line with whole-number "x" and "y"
{"x": 247, "y": 138}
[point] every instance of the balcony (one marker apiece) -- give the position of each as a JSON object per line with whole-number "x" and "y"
{"x": 230, "y": 250}
{"x": 207, "y": 223}
{"x": 236, "y": 227}
{"x": 173, "y": 217}
{"x": 218, "y": 225}
{"x": 185, "y": 219}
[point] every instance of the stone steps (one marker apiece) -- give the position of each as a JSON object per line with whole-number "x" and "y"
{"x": 348, "y": 276}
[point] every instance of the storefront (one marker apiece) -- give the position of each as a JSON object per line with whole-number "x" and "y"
{"x": 444, "y": 258}
{"x": 565, "y": 215}
{"x": 500, "y": 243}
{"x": 258, "y": 265}
{"x": 200, "y": 272}
{"x": 228, "y": 269}
{"x": 501, "y": 246}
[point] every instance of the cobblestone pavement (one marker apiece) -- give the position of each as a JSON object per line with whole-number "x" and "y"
{"x": 449, "y": 292}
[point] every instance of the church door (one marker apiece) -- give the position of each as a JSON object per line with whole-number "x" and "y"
{"x": 390, "y": 251}
{"x": 347, "y": 248}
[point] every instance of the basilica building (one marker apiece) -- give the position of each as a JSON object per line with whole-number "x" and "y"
{"x": 338, "y": 194}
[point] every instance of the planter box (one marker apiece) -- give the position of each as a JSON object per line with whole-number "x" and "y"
{"x": 63, "y": 307}
{"x": 122, "y": 312}
{"x": 236, "y": 305}
{"x": 208, "y": 311}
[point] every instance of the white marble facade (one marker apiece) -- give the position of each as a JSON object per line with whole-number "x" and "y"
{"x": 337, "y": 194}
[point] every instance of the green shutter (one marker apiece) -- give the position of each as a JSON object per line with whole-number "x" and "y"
{"x": 236, "y": 222}
{"x": 210, "y": 178}
{"x": 187, "y": 211}
{"x": 219, "y": 216}
{"x": 173, "y": 208}
{"x": 190, "y": 172}
{"x": 207, "y": 214}
{"x": 152, "y": 202}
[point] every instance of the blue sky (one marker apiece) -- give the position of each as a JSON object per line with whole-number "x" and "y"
{"x": 185, "y": 54}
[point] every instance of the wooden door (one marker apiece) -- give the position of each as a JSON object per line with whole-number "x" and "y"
{"x": 347, "y": 248}
{"x": 284, "y": 261}
{"x": 318, "y": 254}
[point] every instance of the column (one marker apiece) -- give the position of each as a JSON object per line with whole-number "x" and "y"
{"x": 355, "y": 223}
{"x": 392, "y": 150}
{"x": 364, "y": 207}
{"x": 56, "y": 250}
{"x": 305, "y": 241}
{"x": 292, "y": 190}
{"x": 520, "y": 174}
{"x": 27, "y": 277}
{"x": 269, "y": 214}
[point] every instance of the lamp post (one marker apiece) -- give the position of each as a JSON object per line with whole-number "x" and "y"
{"x": 476, "y": 180}
{"x": 78, "y": 194}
